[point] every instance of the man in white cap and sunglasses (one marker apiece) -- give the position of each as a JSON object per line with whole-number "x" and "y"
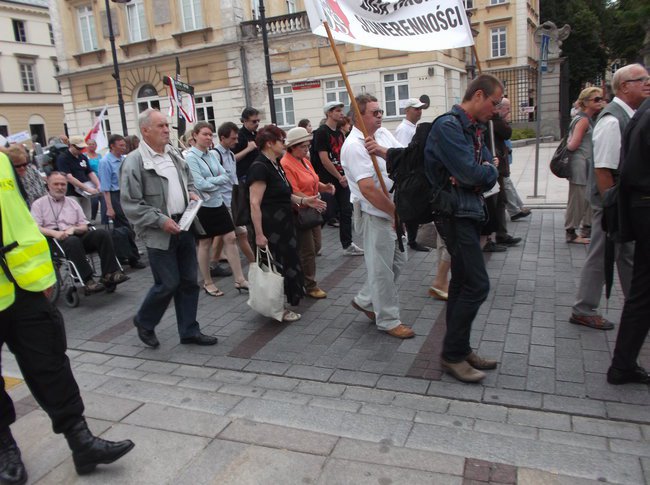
{"x": 82, "y": 181}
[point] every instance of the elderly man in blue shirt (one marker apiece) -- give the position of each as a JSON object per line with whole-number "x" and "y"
{"x": 109, "y": 185}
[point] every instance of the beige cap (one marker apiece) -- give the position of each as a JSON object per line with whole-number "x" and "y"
{"x": 297, "y": 135}
{"x": 78, "y": 141}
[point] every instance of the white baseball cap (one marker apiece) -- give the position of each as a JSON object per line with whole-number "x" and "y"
{"x": 331, "y": 105}
{"x": 413, "y": 103}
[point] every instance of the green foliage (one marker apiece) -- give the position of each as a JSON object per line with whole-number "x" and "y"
{"x": 584, "y": 49}
{"x": 522, "y": 133}
{"x": 631, "y": 18}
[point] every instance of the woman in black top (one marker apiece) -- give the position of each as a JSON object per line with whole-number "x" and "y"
{"x": 271, "y": 198}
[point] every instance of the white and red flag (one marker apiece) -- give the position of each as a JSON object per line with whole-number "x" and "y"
{"x": 97, "y": 132}
{"x": 404, "y": 25}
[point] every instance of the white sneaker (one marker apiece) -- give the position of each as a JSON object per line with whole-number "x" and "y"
{"x": 353, "y": 250}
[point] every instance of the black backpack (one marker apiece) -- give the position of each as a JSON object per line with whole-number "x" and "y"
{"x": 412, "y": 190}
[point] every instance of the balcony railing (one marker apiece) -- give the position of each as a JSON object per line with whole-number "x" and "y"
{"x": 282, "y": 24}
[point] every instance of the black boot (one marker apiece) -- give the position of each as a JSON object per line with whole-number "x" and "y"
{"x": 12, "y": 470}
{"x": 88, "y": 451}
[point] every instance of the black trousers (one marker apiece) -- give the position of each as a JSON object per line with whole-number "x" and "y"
{"x": 342, "y": 196}
{"x": 635, "y": 320}
{"x": 412, "y": 231}
{"x": 34, "y": 331}
{"x": 100, "y": 240}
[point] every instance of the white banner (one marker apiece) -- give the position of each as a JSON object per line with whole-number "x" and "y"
{"x": 404, "y": 25}
{"x": 97, "y": 132}
{"x": 19, "y": 137}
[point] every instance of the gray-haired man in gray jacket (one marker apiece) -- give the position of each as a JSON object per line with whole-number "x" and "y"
{"x": 156, "y": 186}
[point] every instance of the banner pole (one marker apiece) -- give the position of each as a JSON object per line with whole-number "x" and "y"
{"x": 354, "y": 105}
{"x": 476, "y": 59}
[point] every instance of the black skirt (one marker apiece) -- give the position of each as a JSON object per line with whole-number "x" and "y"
{"x": 216, "y": 221}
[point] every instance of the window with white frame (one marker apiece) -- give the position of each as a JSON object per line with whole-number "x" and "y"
{"x": 147, "y": 97}
{"x": 191, "y": 14}
{"x": 205, "y": 109}
{"x": 291, "y": 6}
{"x": 335, "y": 91}
{"x": 283, "y": 96}
{"x": 20, "y": 34}
{"x": 27, "y": 76}
{"x": 469, "y": 4}
{"x": 497, "y": 2}
{"x": 86, "y": 19}
{"x": 396, "y": 92}
{"x": 256, "y": 9}
{"x": 136, "y": 21}
{"x": 498, "y": 41}
{"x": 106, "y": 123}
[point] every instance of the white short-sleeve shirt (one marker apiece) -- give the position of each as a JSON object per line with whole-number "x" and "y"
{"x": 607, "y": 139}
{"x": 358, "y": 166}
{"x": 405, "y": 132}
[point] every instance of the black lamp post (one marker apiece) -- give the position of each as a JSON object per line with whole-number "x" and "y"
{"x": 267, "y": 62}
{"x": 116, "y": 67}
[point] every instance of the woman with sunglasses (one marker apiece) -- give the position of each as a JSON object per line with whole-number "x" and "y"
{"x": 305, "y": 183}
{"x": 30, "y": 177}
{"x": 271, "y": 202}
{"x": 578, "y": 211}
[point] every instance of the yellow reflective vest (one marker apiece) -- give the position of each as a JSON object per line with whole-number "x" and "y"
{"x": 30, "y": 263}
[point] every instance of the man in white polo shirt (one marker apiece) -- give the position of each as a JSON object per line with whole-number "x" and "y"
{"x": 373, "y": 216}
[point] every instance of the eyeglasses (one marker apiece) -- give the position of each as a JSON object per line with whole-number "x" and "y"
{"x": 253, "y": 121}
{"x": 495, "y": 103}
{"x": 378, "y": 113}
{"x": 21, "y": 165}
{"x": 643, "y": 79}
{"x": 597, "y": 99}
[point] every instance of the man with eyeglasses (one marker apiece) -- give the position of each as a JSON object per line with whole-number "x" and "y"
{"x": 374, "y": 213}
{"x": 246, "y": 150}
{"x": 457, "y": 162}
{"x": 631, "y": 87}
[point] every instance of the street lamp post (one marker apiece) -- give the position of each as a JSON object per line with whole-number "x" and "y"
{"x": 267, "y": 61}
{"x": 116, "y": 67}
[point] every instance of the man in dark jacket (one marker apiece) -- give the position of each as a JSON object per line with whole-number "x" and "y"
{"x": 455, "y": 152}
{"x": 635, "y": 192}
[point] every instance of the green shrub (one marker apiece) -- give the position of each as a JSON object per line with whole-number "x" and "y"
{"x": 522, "y": 133}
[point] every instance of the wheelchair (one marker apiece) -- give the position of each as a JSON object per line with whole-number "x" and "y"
{"x": 68, "y": 279}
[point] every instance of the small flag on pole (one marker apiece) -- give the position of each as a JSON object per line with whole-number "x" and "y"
{"x": 97, "y": 132}
{"x": 395, "y": 24}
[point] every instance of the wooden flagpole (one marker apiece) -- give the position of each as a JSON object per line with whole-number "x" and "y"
{"x": 355, "y": 107}
{"x": 476, "y": 59}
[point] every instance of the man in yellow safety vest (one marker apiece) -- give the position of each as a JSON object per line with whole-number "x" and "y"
{"x": 34, "y": 331}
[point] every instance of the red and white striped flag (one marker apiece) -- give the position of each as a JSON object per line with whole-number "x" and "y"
{"x": 97, "y": 132}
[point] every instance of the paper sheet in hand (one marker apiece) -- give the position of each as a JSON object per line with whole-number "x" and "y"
{"x": 85, "y": 193}
{"x": 189, "y": 214}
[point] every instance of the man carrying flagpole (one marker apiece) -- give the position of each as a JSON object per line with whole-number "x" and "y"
{"x": 373, "y": 211}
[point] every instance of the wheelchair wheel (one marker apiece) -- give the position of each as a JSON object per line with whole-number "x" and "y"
{"x": 56, "y": 288}
{"x": 72, "y": 297}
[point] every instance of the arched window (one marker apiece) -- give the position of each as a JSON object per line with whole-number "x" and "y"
{"x": 147, "y": 98}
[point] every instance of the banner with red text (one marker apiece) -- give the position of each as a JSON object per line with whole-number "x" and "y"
{"x": 404, "y": 25}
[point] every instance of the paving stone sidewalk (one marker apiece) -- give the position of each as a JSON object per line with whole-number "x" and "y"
{"x": 192, "y": 424}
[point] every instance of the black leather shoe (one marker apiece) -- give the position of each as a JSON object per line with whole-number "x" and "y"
{"x": 88, "y": 451}
{"x": 200, "y": 339}
{"x": 148, "y": 337}
{"x": 509, "y": 241}
{"x": 415, "y": 246}
{"x": 637, "y": 375}
{"x": 136, "y": 264}
{"x": 12, "y": 469}
{"x": 492, "y": 247}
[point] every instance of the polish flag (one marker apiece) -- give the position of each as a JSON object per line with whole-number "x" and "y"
{"x": 97, "y": 132}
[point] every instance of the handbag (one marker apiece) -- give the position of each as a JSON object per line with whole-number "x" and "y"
{"x": 561, "y": 161}
{"x": 308, "y": 218}
{"x": 266, "y": 286}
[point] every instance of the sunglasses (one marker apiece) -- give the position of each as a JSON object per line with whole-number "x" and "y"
{"x": 597, "y": 99}
{"x": 377, "y": 113}
{"x": 21, "y": 165}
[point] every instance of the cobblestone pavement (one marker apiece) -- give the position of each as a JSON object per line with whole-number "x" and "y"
{"x": 329, "y": 399}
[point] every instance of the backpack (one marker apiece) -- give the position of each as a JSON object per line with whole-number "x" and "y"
{"x": 414, "y": 196}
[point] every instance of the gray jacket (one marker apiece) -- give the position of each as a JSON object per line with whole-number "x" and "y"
{"x": 143, "y": 194}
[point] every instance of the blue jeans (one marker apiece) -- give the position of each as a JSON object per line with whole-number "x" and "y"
{"x": 469, "y": 285}
{"x": 174, "y": 275}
